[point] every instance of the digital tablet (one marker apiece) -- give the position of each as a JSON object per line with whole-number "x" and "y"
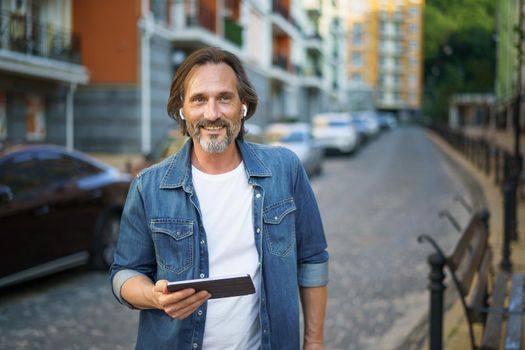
{"x": 218, "y": 287}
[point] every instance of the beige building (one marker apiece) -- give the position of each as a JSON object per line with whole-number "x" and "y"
{"x": 385, "y": 54}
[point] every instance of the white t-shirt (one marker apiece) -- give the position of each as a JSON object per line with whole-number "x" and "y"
{"x": 226, "y": 205}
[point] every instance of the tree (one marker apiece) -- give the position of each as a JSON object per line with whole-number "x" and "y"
{"x": 459, "y": 51}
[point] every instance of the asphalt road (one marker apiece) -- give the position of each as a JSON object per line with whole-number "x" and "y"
{"x": 374, "y": 205}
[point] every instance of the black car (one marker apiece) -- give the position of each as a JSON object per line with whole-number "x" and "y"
{"x": 58, "y": 209}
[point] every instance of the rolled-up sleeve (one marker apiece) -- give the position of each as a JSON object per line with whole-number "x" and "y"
{"x": 312, "y": 275}
{"x": 135, "y": 253}
{"x": 312, "y": 254}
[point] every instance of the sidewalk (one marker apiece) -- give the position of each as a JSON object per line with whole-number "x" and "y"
{"x": 455, "y": 328}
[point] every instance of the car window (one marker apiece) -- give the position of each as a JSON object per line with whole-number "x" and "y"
{"x": 22, "y": 174}
{"x": 295, "y": 136}
{"x": 57, "y": 167}
{"x": 86, "y": 169}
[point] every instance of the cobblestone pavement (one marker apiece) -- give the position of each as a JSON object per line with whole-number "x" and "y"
{"x": 374, "y": 205}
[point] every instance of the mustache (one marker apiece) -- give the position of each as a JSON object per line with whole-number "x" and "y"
{"x": 203, "y": 123}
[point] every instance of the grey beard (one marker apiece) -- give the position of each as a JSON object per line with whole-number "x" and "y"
{"x": 214, "y": 145}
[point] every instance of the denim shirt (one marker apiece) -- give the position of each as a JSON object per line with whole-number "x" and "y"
{"x": 162, "y": 236}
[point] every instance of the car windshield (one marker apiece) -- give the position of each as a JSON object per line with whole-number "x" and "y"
{"x": 295, "y": 136}
{"x": 339, "y": 123}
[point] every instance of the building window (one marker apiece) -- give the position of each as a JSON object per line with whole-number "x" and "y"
{"x": 357, "y": 78}
{"x": 357, "y": 33}
{"x": 413, "y": 11}
{"x": 412, "y": 61}
{"x": 357, "y": 59}
{"x": 35, "y": 118}
{"x": 413, "y": 28}
{"x": 412, "y": 80}
{"x": 413, "y": 45}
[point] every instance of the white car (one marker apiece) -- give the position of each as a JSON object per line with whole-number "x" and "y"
{"x": 298, "y": 138}
{"x": 335, "y": 132}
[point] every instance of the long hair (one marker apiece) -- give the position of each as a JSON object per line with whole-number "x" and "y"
{"x": 203, "y": 56}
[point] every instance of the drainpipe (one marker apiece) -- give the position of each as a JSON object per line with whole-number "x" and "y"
{"x": 146, "y": 30}
{"x": 70, "y": 134}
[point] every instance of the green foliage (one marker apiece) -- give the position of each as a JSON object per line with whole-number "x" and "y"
{"x": 459, "y": 51}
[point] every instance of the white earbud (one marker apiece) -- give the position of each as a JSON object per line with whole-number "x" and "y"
{"x": 244, "y": 111}
{"x": 181, "y": 115}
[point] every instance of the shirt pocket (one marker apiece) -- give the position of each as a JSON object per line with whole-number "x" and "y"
{"x": 173, "y": 239}
{"x": 279, "y": 227}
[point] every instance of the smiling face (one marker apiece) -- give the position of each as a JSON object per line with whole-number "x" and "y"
{"x": 212, "y": 107}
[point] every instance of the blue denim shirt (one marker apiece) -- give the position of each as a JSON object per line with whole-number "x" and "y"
{"x": 162, "y": 236}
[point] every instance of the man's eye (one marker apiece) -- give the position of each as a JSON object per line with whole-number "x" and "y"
{"x": 225, "y": 98}
{"x": 198, "y": 99}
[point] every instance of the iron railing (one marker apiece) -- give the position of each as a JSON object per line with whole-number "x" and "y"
{"x": 20, "y": 33}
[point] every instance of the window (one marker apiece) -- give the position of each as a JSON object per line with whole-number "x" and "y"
{"x": 413, "y": 11}
{"x": 413, "y": 45}
{"x": 58, "y": 168}
{"x": 22, "y": 174}
{"x": 357, "y": 78}
{"x": 35, "y": 118}
{"x": 357, "y": 59}
{"x": 357, "y": 33}
{"x": 412, "y": 28}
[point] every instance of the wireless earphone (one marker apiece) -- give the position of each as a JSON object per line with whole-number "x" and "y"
{"x": 244, "y": 110}
{"x": 181, "y": 115}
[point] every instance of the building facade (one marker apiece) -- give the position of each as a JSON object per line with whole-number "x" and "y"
{"x": 385, "y": 55}
{"x": 40, "y": 71}
{"x": 283, "y": 45}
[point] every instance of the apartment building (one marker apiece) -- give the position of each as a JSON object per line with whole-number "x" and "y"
{"x": 290, "y": 49}
{"x": 40, "y": 70}
{"x": 385, "y": 58}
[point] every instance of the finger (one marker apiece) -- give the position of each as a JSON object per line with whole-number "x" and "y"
{"x": 189, "y": 304}
{"x": 188, "y": 310}
{"x": 161, "y": 286}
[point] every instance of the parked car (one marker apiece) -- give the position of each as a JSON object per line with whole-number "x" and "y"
{"x": 298, "y": 138}
{"x": 58, "y": 209}
{"x": 370, "y": 122}
{"x": 335, "y": 132}
{"x": 387, "y": 121}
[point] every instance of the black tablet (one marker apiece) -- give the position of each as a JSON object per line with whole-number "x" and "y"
{"x": 218, "y": 287}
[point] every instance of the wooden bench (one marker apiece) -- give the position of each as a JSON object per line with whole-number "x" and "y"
{"x": 483, "y": 295}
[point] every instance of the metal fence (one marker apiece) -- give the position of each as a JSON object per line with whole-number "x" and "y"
{"x": 20, "y": 33}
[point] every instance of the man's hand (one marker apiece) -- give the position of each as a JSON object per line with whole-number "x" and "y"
{"x": 179, "y": 304}
{"x": 140, "y": 292}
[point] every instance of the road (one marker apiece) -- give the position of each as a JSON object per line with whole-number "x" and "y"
{"x": 374, "y": 205}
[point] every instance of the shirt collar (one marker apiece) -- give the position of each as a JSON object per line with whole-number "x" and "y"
{"x": 178, "y": 173}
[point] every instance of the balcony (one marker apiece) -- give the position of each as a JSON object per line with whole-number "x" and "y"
{"x": 280, "y": 8}
{"x": 21, "y": 34}
{"x": 233, "y": 31}
{"x": 280, "y": 61}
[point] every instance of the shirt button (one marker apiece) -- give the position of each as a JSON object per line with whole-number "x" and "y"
{"x": 258, "y": 195}
{"x": 201, "y": 275}
{"x": 195, "y": 345}
{"x": 199, "y": 313}
{"x": 202, "y": 242}
{"x": 258, "y": 230}
{"x": 275, "y": 218}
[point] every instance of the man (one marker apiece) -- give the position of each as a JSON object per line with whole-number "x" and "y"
{"x": 222, "y": 206}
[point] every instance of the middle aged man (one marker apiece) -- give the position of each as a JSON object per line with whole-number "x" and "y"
{"x": 222, "y": 206}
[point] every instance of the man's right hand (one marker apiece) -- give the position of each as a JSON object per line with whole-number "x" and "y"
{"x": 140, "y": 292}
{"x": 178, "y": 305}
